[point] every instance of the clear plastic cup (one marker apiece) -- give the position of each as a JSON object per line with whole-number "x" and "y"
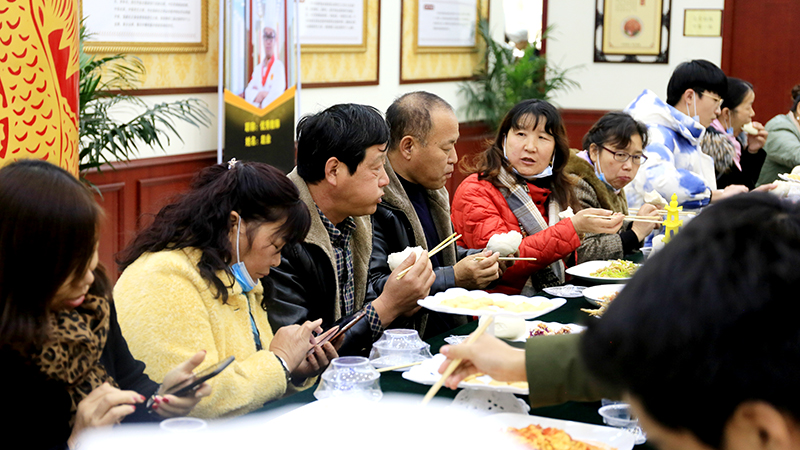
{"x": 350, "y": 376}
{"x": 398, "y": 347}
{"x": 619, "y": 415}
{"x": 183, "y": 424}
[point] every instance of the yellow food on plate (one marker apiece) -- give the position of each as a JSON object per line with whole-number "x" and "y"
{"x": 617, "y": 269}
{"x": 538, "y": 438}
{"x": 475, "y": 379}
{"x": 487, "y": 304}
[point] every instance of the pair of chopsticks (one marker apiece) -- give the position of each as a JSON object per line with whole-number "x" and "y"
{"x": 648, "y": 219}
{"x": 506, "y": 258}
{"x": 442, "y": 245}
{"x": 454, "y": 364}
{"x": 664, "y": 211}
{"x": 401, "y": 366}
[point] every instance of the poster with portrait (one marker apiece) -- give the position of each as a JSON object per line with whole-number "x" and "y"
{"x": 259, "y": 86}
{"x": 632, "y": 31}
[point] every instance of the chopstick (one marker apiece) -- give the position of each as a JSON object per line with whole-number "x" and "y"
{"x": 648, "y": 219}
{"x": 454, "y": 364}
{"x": 506, "y": 258}
{"x": 664, "y": 211}
{"x": 401, "y": 366}
{"x": 442, "y": 245}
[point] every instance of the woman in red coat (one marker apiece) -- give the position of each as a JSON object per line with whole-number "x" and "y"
{"x": 519, "y": 184}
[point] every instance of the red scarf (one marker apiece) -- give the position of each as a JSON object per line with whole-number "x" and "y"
{"x": 265, "y": 70}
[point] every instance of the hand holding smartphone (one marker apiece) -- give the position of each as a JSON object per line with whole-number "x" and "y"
{"x": 338, "y": 329}
{"x": 193, "y": 383}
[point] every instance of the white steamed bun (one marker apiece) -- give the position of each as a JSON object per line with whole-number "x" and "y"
{"x": 395, "y": 259}
{"x": 505, "y": 243}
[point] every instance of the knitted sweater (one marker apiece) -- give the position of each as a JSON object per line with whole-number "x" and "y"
{"x": 168, "y": 312}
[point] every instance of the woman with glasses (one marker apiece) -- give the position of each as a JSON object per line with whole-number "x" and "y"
{"x": 612, "y": 155}
{"x": 519, "y": 184}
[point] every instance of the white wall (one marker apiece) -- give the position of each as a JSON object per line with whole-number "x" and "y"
{"x": 382, "y": 95}
{"x": 603, "y": 86}
{"x": 613, "y": 85}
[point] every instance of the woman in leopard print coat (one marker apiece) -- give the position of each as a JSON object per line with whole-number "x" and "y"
{"x": 65, "y": 365}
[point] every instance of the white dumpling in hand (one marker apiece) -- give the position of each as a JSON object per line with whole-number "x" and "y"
{"x": 395, "y": 259}
{"x": 505, "y": 243}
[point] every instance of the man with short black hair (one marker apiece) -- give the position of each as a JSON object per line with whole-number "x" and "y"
{"x": 340, "y": 175}
{"x": 416, "y": 210}
{"x": 675, "y": 162}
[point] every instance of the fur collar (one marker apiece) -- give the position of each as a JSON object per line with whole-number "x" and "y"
{"x": 360, "y": 244}
{"x": 578, "y": 167}
{"x": 438, "y": 202}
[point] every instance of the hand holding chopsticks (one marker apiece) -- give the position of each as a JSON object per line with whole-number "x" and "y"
{"x": 442, "y": 245}
{"x": 453, "y": 365}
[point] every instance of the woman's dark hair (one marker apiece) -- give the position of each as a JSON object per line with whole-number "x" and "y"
{"x": 200, "y": 218}
{"x": 344, "y": 132}
{"x": 615, "y": 128}
{"x": 795, "y": 97}
{"x": 737, "y": 92}
{"x": 709, "y": 322}
{"x": 527, "y": 114}
{"x": 49, "y": 225}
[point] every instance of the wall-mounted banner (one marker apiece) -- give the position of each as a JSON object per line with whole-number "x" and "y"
{"x": 258, "y": 67}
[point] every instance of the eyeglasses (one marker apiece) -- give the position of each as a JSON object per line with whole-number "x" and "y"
{"x": 713, "y": 97}
{"x": 622, "y": 157}
{"x": 269, "y": 36}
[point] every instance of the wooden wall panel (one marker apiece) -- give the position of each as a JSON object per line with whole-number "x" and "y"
{"x": 141, "y": 186}
{"x": 111, "y": 231}
{"x": 578, "y": 122}
{"x": 155, "y": 193}
{"x": 761, "y": 44}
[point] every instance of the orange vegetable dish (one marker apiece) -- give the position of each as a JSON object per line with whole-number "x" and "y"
{"x": 539, "y": 438}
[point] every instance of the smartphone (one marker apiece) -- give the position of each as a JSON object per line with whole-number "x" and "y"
{"x": 191, "y": 384}
{"x": 338, "y": 329}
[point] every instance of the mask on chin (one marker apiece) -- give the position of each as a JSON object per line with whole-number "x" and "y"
{"x": 695, "y": 117}
{"x": 239, "y": 270}
{"x": 602, "y": 176}
{"x": 547, "y": 172}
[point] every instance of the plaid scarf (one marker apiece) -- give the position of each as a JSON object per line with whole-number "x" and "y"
{"x": 531, "y": 222}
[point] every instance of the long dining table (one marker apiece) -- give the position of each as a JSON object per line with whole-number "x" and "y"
{"x": 393, "y": 382}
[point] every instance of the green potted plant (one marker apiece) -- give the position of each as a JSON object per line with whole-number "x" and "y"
{"x": 504, "y": 80}
{"x": 105, "y": 84}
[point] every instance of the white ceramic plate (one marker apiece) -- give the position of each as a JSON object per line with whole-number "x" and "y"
{"x": 532, "y": 325}
{"x": 584, "y": 270}
{"x": 428, "y": 373}
{"x": 788, "y": 177}
{"x": 606, "y": 437}
{"x": 434, "y": 303}
{"x": 594, "y": 294}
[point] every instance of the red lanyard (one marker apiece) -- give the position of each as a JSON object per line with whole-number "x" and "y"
{"x": 265, "y": 70}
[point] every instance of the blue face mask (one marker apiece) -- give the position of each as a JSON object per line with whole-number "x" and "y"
{"x": 547, "y": 172}
{"x": 238, "y": 270}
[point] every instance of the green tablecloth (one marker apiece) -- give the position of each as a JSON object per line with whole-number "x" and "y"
{"x": 394, "y": 382}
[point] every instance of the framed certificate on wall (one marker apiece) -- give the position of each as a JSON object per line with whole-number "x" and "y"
{"x": 127, "y": 26}
{"x": 446, "y": 26}
{"x": 632, "y": 31}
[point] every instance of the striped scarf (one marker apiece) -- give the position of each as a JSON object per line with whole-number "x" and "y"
{"x": 531, "y": 222}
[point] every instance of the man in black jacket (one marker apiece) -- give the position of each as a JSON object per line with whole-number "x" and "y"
{"x": 415, "y": 210}
{"x": 340, "y": 175}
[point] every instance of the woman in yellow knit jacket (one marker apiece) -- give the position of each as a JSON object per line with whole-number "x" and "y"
{"x": 188, "y": 284}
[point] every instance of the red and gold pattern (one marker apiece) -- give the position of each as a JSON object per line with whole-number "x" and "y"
{"x": 39, "y": 81}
